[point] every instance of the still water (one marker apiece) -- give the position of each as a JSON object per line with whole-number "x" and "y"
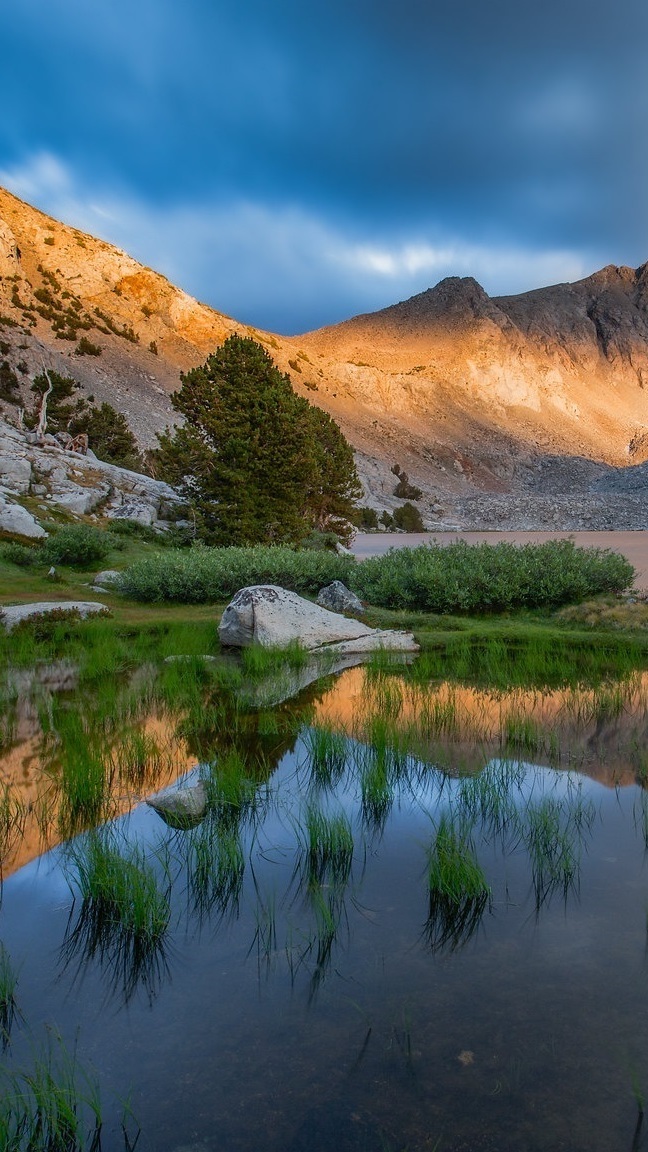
{"x": 305, "y": 1007}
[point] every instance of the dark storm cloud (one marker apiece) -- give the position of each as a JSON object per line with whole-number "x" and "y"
{"x": 496, "y": 126}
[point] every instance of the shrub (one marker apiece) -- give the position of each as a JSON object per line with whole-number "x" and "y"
{"x": 78, "y": 545}
{"x": 456, "y": 578}
{"x": 408, "y": 518}
{"x": 484, "y": 577}
{"x": 125, "y": 527}
{"x": 203, "y": 575}
{"x": 404, "y": 490}
{"x": 21, "y": 554}
{"x": 9, "y": 389}
{"x": 85, "y": 347}
{"x": 366, "y": 518}
{"x": 109, "y": 435}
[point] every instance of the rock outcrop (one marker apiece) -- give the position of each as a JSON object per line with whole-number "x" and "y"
{"x": 16, "y": 614}
{"x": 81, "y": 484}
{"x": 275, "y": 618}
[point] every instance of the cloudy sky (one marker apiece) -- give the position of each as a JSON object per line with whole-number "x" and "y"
{"x": 293, "y": 163}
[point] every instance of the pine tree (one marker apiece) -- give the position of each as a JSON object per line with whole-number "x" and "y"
{"x": 334, "y": 487}
{"x": 109, "y": 436}
{"x": 251, "y": 456}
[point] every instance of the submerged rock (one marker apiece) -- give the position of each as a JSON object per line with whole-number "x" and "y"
{"x": 274, "y": 618}
{"x": 181, "y": 807}
{"x": 338, "y": 598}
{"x": 189, "y": 659}
{"x": 17, "y": 613}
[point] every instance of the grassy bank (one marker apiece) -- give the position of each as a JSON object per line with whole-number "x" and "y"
{"x": 173, "y": 599}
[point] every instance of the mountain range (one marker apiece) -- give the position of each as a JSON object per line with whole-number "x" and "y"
{"x": 522, "y": 411}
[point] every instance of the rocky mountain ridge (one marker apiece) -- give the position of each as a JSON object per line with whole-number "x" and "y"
{"x": 520, "y": 411}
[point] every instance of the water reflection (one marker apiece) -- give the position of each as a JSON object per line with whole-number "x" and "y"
{"x": 602, "y": 731}
{"x": 340, "y": 954}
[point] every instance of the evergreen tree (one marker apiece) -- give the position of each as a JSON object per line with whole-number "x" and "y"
{"x": 251, "y": 456}
{"x": 334, "y": 487}
{"x": 109, "y": 436}
{"x": 107, "y": 430}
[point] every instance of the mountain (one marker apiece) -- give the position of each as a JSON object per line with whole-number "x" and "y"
{"x": 516, "y": 411}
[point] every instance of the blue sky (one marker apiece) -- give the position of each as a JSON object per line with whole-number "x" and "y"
{"x": 293, "y": 164}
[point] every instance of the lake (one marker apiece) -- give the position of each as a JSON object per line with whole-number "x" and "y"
{"x": 414, "y": 916}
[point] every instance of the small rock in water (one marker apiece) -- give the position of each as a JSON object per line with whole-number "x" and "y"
{"x": 181, "y": 807}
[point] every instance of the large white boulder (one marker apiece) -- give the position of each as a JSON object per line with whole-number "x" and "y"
{"x": 274, "y": 618}
{"x": 19, "y": 522}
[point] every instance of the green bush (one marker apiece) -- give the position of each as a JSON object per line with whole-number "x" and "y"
{"x": 9, "y": 389}
{"x": 489, "y": 578}
{"x": 133, "y": 528}
{"x": 456, "y": 578}
{"x": 24, "y": 555}
{"x": 85, "y": 347}
{"x": 408, "y": 518}
{"x": 366, "y": 519}
{"x": 78, "y": 545}
{"x": 203, "y": 575}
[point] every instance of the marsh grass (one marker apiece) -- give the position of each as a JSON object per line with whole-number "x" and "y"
{"x": 327, "y": 906}
{"x": 328, "y": 844}
{"x": 85, "y": 773}
{"x": 553, "y": 831}
{"x": 437, "y": 716}
{"x": 522, "y": 733}
{"x": 376, "y": 788}
{"x": 215, "y": 866}
{"x": 54, "y": 1106}
{"x": 640, "y": 811}
{"x": 265, "y": 936}
{"x": 119, "y": 879}
{"x": 138, "y": 759}
{"x": 8, "y": 1006}
{"x": 539, "y": 661}
{"x": 124, "y": 913}
{"x": 458, "y": 891}
{"x": 490, "y": 798}
{"x": 258, "y": 661}
{"x": 231, "y": 786}
{"x": 327, "y": 755}
{"x": 383, "y": 693}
